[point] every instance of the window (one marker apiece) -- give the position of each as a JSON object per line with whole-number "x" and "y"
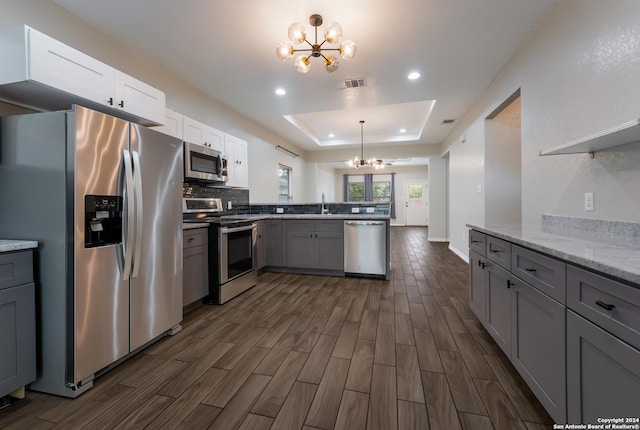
{"x": 381, "y": 190}
{"x": 356, "y": 188}
{"x": 284, "y": 184}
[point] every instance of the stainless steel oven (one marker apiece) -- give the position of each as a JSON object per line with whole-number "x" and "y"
{"x": 232, "y": 248}
{"x": 204, "y": 164}
{"x": 237, "y": 260}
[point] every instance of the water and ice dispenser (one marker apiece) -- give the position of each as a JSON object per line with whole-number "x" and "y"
{"x": 102, "y": 220}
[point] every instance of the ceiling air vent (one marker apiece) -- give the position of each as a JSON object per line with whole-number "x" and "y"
{"x": 447, "y": 121}
{"x": 354, "y": 83}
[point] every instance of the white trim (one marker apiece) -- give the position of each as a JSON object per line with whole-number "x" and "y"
{"x": 438, "y": 239}
{"x": 459, "y": 254}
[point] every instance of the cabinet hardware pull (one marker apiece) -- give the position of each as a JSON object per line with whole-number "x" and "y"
{"x": 110, "y": 101}
{"x": 121, "y": 104}
{"x": 191, "y": 239}
{"x": 607, "y": 306}
{"x": 509, "y": 283}
{"x": 476, "y": 241}
{"x": 494, "y": 251}
{"x": 481, "y": 264}
{"x": 531, "y": 270}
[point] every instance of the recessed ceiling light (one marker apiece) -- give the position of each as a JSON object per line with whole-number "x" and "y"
{"x": 413, "y": 75}
{"x": 403, "y": 130}
{"x": 281, "y": 91}
{"x": 331, "y": 135}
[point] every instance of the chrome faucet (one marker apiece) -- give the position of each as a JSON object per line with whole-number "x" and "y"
{"x": 324, "y": 209}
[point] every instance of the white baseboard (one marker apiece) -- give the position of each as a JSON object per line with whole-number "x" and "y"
{"x": 459, "y": 254}
{"x": 438, "y": 239}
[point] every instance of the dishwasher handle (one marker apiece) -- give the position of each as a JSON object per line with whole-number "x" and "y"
{"x": 364, "y": 222}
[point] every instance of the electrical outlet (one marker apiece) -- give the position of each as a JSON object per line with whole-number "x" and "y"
{"x": 588, "y": 202}
{"x": 279, "y": 210}
{"x": 479, "y": 188}
{"x": 229, "y": 205}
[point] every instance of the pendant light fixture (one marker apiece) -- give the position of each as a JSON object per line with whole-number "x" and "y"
{"x": 356, "y": 163}
{"x": 332, "y": 34}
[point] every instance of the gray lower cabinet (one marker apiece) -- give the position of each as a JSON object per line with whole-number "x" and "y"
{"x": 526, "y": 322}
{"x": 273, "y": 242}
{"x": 17, "y": 321}
{"x": 261, "y": 249}
{"x": 498, "y": 319}
{"x": 603, "y": 373}
{"x": 195, "y": 264}
{"x": 477, "y": 285}
{"x": 315, "y": 244}
{"x": 538, "y": 346}
{"x": 603, "y": 347}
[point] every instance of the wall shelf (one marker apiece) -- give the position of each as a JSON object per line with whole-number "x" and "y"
{"x": 622, "y": 134}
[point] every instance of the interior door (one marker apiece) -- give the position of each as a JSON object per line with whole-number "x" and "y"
{"x": 415, "y": 202}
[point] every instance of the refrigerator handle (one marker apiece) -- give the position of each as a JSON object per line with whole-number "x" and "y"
{"x": 128, "y": 191}
{"x": 137, "y": 176}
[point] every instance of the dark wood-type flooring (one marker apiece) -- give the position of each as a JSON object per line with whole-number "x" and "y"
{"x": 305, "y": 352}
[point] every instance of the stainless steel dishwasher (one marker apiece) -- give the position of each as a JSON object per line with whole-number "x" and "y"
{"x": 365, "y": 247}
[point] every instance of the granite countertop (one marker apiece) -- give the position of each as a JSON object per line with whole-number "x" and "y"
{"x": 17, "y": 245}
{"x": 191, "y": 225}
{"x": 313, "y": 216}
{"x": 620, "y": 259}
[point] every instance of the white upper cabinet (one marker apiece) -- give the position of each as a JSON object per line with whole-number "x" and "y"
{"x": 202, "y": 134}
{"x": 43, "y": 73}
{"x": 237, "y": 165}
{"x": 172, "y": 124}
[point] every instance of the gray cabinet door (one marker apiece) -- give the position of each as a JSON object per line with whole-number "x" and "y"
{"x": 273, "y": 242}
{"x": 329, "y": 250}
{"x": 261, "y": 250}
{"x": 538, "y": 346}
{"x": 498, "y": 306}
{"x": 18, "y": 350}
{"x": 195, "y": 265}
{"x": 477, "y": 285}
{"x": 300, "y": 249}
{"x": 603, "y": 373}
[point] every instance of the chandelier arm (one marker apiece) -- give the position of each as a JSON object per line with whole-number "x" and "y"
{"x": 303, "y": 50}
{"x": 310, "y": 44}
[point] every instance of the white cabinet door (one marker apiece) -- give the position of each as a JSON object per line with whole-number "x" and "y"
{"x": 137, "y": 98}
{"x": 172, "y": 124}
{"x": 237, "y": 155}
{"x": 230, "y": 150}
{"x": 66, "y": 69}
{"x": 214, "y": 139}
{"x": 193, "y": 131}
{"x": 241, "y": 165}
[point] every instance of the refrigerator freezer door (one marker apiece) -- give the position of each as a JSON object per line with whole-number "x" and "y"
{"x": 156, "y": 286}
{"x": 95, "y": 144}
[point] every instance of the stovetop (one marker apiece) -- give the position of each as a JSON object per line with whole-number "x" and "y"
{"x": 216, "y": 220}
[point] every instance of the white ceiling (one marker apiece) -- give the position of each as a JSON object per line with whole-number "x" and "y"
{"x": 227, "y": 49}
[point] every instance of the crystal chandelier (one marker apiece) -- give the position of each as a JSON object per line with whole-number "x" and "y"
{"x": 356, "y": 163}
{"x": 332, "y": 34}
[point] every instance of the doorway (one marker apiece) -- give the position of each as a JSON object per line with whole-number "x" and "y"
{"x": 415, "y": 202}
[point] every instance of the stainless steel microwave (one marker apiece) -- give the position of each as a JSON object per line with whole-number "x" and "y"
{"x": 204, "y": 164}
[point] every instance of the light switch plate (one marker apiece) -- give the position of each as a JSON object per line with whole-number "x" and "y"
{"x": 588, "y": 202}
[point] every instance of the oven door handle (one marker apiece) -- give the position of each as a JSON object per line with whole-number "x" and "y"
{"x": 227, "y": 230}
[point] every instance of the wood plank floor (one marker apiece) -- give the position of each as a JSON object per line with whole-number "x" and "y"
{"x": 315, "y": 352}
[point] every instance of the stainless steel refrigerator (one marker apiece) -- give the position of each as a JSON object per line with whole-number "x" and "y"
{"x": 102, "y": 197}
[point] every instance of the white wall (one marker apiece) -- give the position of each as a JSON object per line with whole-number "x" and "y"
{"x": 578, "y": 75}
{"x": 503, "y": 197}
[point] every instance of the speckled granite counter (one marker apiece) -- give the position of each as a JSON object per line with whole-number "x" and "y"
{"x": 314, "y": 216}
{"x": 621, "y": 260}
{"x": 190, "y": 225}
{"x": 16, "y": 245}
